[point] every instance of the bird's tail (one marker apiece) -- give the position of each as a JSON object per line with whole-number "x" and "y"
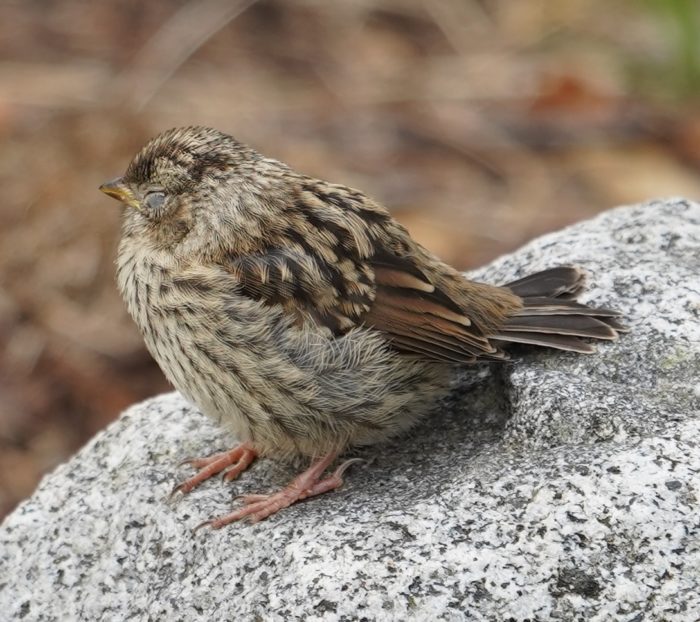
{"x": 552, "y": 317}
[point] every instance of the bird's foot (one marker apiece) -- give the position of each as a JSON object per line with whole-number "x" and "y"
{"x": 239, "y": 459}
{"x": 308, "y": 484}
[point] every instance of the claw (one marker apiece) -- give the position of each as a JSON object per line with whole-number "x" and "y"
{"x": 177, "y": 490}
{"x": 206, "y": 523}
{"x": 344, "y": 467}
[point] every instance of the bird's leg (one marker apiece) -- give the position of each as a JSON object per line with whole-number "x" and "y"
{"x": 239, "y": 459}
{"x": 307, "y": 484}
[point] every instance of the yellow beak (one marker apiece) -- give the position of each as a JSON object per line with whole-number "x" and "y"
{"x": 117, "y": 189}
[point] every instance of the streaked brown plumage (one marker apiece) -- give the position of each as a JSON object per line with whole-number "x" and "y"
{"x": 299, "y": 314}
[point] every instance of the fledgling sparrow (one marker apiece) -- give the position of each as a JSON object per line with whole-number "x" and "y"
{"x": 300, "y": 315}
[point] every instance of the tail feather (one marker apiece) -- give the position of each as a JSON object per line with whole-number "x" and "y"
{"x": 551, "y": 317}
{"x": 552, "y": 283}
{"x": 560, "y": 342}
{"x": 575, "y": 325}
{"x": 561, "y": 306}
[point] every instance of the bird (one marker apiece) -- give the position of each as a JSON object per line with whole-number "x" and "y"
{"x": 300, "y": 316}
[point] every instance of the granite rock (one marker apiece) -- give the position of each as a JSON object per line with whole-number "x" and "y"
{"x": 555, "y": 487}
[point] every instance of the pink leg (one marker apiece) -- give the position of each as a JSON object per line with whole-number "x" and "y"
{"x": 308, "y": 484}
{"x": 240, "y": 457}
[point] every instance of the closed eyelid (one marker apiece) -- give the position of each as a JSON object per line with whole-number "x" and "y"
{"x": 154, "y": 198}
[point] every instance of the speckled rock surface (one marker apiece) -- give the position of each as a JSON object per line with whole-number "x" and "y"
{"x": 558, "y": 487}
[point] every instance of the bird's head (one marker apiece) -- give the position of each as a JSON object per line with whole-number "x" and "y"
{"x": 182, "y": 180}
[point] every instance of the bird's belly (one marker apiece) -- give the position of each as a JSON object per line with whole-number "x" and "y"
{"x": 288, "y": 389}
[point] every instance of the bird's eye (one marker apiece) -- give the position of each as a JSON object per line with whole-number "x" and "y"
{"x": 154, "y": 200}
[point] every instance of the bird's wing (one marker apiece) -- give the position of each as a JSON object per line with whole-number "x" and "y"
{"x": 393, "y": 296}
{"x": 420, "y": 316}
{"x": 305, "y": 286}
{"x": 355, "y": 265}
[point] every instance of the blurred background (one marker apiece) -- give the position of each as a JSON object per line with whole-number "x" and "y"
{"x": 480, "y": 123}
